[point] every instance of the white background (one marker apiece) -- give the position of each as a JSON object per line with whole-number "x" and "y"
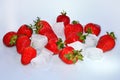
{"x": 14, "y": 13}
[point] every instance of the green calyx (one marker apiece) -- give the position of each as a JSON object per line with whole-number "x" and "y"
{"x": 36, "y": 25}
{"x": 13, "y": 40}
{"x": 76, "y": 55}
{"x": 89, "y": 31}
{"x": 111, "y": 34}
{"x": 63, "y": 12}
{"x": 82, "y": 36}
{"x": 75, "y": 22}
{"x": 60, "y": 44}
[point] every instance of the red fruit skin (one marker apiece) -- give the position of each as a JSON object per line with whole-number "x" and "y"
{"x": 25, "y": 30}
{"x": 65, "y": 51}
{"x": 92, "y": 28}
{"x": 21, "y": 43}
{"x": 44, "y": 28}
{"x": 106, "y": 43}
{"x": 7, "y": 39}
{"x": 63, "y": 18}
{"x": 72, "y": 38}
{"x": 52, "y": 46}
{"x": 27, "y": 55}
{"x": 72, "y": 28}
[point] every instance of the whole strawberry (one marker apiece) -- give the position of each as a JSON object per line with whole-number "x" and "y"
{"x": 22, "y": 42}
{"x": 92, "y": 28}
{"x": 27, "y": 55}
{"x": 9, "y": 39}
{"x": 70, "y": 56}
{"x": 74, "y": 27}
{"x": 44, "y": 28}
{"x": 106, "y": 42}
{"x": 55, "y": 45}
{"x": 25, "y": 30}
{"x": 63, "y": 18}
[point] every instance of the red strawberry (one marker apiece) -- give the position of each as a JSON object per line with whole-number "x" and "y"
{"x": 55, "y": 45}
{"x": 74, "y": 27}
{"x": 27, "y": 55}
{"x": 25, "y": 30}
{"x": 70, "y": 56}
{"x": 22, "y": 42}
{"x": 63, "y": 18}
{"x": 44, "y": 28}
{"x": 92, "y": 28}
{"x": 106, "y": 42}
{"x": 9, "y": 39}
{"x": 75, "y": 37}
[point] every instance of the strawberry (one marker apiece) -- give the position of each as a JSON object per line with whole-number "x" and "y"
{"x": 25, "y": 30}
{"x": 70, "y": 56}
{"x": 92, "y": 28}
{"x": 74, "y": 27}
{"x": 75, "y": 37}
{"x": 55, "y": 45}
{"x": 27, "y": 55}
{"x": 22, "y": 42}
{"x": 106, "y": 42}
{"x": 63, "y": 18}
{"x": 9, "y": 39}
{"x": 44, "y": 28}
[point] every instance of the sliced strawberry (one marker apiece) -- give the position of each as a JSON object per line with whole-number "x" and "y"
{"x": 63, "y": 18}
{"x": 106, "y": 42}
{"x": 22, "y": 42}
{"x": 70, "y": 56}
{"x": 9, "y": 39}
{"x": 27, "y": 55}
{"x": 92, "y": 28}
{"x": 25, "y": 30}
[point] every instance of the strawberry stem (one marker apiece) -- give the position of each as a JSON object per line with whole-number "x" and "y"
{"x": 75, "y": 22}
{"x": 111, "y": 34}
{"x": 60, "y": 44}
{"x": 63, "y": 12}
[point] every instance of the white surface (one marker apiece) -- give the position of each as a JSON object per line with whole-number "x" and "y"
{"x": 14, "y": 13}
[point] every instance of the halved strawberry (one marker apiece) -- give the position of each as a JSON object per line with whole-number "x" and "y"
{"x": 9, "y": 39}
{"x": 70, "y": 56}
{"x": 107, "y": 42}
{"x": 63, "y": 18}
{"x": 27, "y": 55}
{"x": 25, "y": 30}
{"x": 22, "y": 42}
{"x": 92, "y": 28}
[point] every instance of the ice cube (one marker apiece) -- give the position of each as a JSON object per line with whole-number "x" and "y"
{"x": 58, "y": 28}
{"x": 91, "y": 40}
{"x": 93, "y": 53}
{"x": 43, "y": 58}
{"x": 38, "y": 41}
{"x": 77, "y": 45}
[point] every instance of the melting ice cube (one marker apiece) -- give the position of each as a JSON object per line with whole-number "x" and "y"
{"x": 58, "y": 28}
{"x": 38, "y": 41}
{"x": 43, "y": 58}
{"x": 93, "y": 53}
{"x": 91, "y": 40}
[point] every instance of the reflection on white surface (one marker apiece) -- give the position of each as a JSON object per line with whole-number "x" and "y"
{"x": 17, "y": 12}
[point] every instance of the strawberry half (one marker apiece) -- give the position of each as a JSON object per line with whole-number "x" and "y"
{"x": 9, "y": 39}
{"x": 92, "y": 28}
{"x": 63, "y": 18}
{"x": 27, "y": 55}
{"x": 70, "y": 56}
{"x": 106, "y": 42}
{"x": 25, "y": 30}
{"x": 22, "y": 42}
